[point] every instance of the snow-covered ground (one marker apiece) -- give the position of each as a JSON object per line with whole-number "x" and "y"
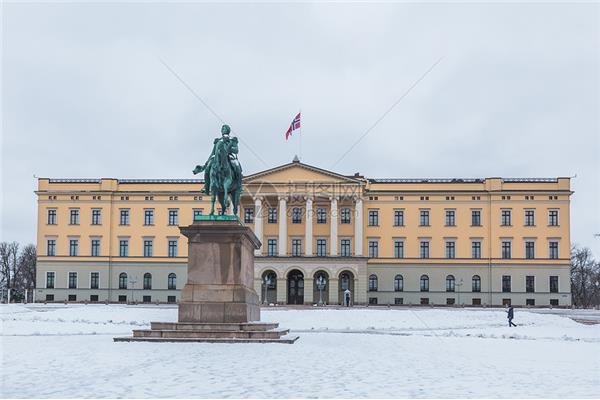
{"x": 67, "y": 351}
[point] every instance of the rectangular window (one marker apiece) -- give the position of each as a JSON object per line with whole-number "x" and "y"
{"x": 148, "y": 244}
{"x": 506, "y": 249}
{"x": 296, "y": 215}
{"x": 73, "y": 247}
{"x": 529, "y": 249}
{"x": 476, "y": 302}
{"x": 450, "y": 249}
{"x": 146, "y": 299}
{"x": 345, "y": 216}
{"x": 72, "y": 297}
{"x": 50, "y": 280}
{"x": 505, "y": 220}
{"x": 272, "y": 247}
{"x": 93, "y": 298}
{"x": 123, "y": 248}
{"x": 51, "y": 247}
{"x": 95, "y": 247}
{"x": 553, "y": 217}
{"x": 249, "y": 215}
{"x": 530, "y": 284}
{"x": 321, "y": 247}
{"x": 49, "y": 297}
{"x": 553, "y": 250}
{"x": 475, "y": 217}
{"x": 424, "y": 218}
{"x": 373, "y": 300}
{"x": 72, "y": 280}
{"x": 506, "y": 283}
{"x": 554, "y": 284}
{"x": 345, "y": 248}
{"x": 373, "y": 217}
{"x": 321, "y": 215}
{"x": 476, "y": 249}
{"x": 373, "y": 249}
{"x": 171, "y": 299}
{"x": 94, "y": 280}
{"x": 197, "y": 212}
{"x": 272, "y": 215}
{"x": 424, "y": 301}
{"x": 173, "y": 216}
{"x": 124, "y": 216}
{"x": 530, "y": 302}
{"x": 398, "y": 301}
{"x": 96, "y": 216}
{"x": 450, "y": 218}
{"x": 296, "y": 247}
{"x": 424, "y": 249}
{"x": 74, "y": 216}
{"x": 51, "y": 216}
{"x": 172, "y": 250}
{"x": 398, "y": 217}
{"x": 398, "y": 249}
{"x": 529, "y": 218}
{"x": 554, "y": 302}
{"x": 149, "y": 216}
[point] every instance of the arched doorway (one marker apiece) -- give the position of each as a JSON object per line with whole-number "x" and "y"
{"x": 346, "y": 281}
{"x": 324, "y": 291}
{"x": 268, "y": 293}
{"x": 295, "y": 283}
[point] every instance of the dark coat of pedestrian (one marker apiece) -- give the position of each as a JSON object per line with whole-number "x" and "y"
{"x": 510, "y": 315}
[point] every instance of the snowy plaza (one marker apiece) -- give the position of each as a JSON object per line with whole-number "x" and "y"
{"x": 68, "y": 351}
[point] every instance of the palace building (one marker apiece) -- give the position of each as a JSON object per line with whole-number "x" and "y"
{"x": 484, "y": 241}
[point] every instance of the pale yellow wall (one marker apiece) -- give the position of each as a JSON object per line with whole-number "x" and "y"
{"x": 278, "y": 181}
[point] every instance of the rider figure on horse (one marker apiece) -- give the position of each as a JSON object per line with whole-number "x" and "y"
{"x": 233, "y": 160}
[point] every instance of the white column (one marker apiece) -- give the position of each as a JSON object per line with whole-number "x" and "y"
{"x": 282, "y": 227}
{"x": 258, "y": 223}
{"x": 358, "y": 227}
{"x": 333, "y": 245}
{"x": 308, "y": 237}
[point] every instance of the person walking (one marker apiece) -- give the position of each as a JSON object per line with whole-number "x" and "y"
{"x": 510, "y": 315}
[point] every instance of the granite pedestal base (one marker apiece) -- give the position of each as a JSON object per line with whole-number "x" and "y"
{"x": 218, "y": 302}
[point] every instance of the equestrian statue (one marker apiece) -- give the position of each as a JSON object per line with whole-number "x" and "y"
{"x": 223, "y": 173}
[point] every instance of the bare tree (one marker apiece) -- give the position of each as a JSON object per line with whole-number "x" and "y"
{"x": 25, "y": 276}
{"x": 585, "y": 272}
{"x": 9, "y": 266}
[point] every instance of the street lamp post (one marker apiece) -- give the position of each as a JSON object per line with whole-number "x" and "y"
{"x": 459, "y": 284}
{"x": 321, "y": 282}
{"x": 266, "y": 282}
{"x": 133, "y": 281}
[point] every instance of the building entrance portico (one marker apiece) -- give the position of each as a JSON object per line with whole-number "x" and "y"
{"x": 295, "y": 287}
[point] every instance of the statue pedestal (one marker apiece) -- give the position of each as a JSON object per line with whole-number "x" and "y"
{"x": 220, "y": 279}
{"x": 218, "y": 303}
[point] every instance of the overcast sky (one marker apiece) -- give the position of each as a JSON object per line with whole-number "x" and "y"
{"x": 516, "y": 94}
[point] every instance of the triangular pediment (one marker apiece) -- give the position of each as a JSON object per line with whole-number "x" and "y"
{"x": 298, "y": 172}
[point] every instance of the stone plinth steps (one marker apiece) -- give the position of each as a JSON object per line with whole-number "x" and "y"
{"x": 185, "y": 332}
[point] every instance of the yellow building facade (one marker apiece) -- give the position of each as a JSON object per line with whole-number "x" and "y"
{"x": 325, "y": 237}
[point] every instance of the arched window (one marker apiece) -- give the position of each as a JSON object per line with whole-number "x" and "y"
{"x": 398, "y": 283}
{"x": 122, "y": 280}
{"x": 172, "y": 284}
{"x": 424, "y": 283}
{"x": 373, "y": 283}
{"x": 147, "y": 281}
{"x": 450, "y": 283}
{"x": 476, "y": 283}
{"x": 345, "y": 281}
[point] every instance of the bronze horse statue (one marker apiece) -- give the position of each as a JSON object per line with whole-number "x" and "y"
{"x": 223, "y": 173}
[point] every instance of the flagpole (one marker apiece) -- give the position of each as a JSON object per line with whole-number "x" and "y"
{"x": 300, "y": 112}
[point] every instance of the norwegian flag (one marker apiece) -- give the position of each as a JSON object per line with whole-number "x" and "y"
{"x": 295, "y": 125}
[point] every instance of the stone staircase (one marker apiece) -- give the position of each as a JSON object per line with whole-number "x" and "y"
{"x": 247, "y": 332}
